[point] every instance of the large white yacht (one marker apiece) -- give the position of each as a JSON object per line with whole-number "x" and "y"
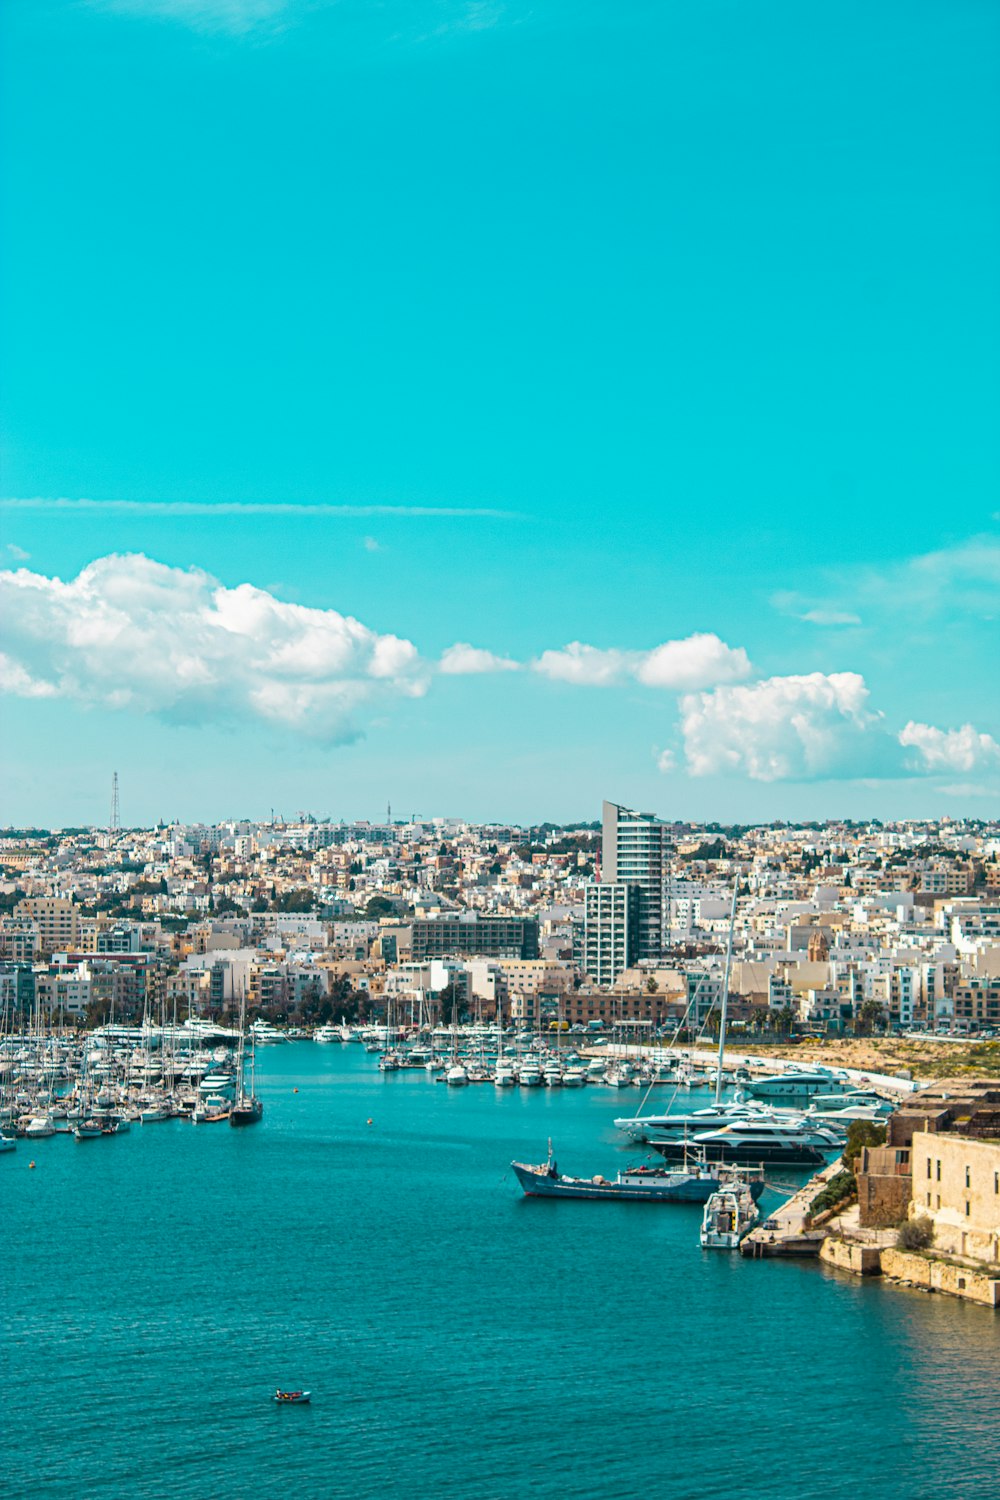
{"x": 328, "y": 1033}
{"x": 797, "y": 1086}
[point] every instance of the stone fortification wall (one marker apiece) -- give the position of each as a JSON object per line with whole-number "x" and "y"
{"x": 941, "y": 1276}
{"x": 860, "y": 1260}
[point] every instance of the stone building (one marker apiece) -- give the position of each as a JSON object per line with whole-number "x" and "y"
{"x": 956, "y": 1184}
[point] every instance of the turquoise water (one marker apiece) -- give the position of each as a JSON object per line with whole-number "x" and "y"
{"x": 459, "y": 1340}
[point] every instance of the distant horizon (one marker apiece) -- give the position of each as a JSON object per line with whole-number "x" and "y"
{"x": 401, "y": 821}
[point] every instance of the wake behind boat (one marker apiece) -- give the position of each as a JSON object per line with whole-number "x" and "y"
{"x": 692, "y": 1182}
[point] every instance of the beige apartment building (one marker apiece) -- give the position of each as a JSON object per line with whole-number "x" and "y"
{"x": 57, "y": 920}
{"x": 977, "y": 1002}
{"x": 956, "y": 1184}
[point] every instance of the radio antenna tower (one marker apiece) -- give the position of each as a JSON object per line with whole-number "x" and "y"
{"x": 116, "y": 822}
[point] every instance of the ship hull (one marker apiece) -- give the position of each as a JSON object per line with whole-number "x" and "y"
{"x": 672, "y": 1187}
{"x": 248, "y": 1114}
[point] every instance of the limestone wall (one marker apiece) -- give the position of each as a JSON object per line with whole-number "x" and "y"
{"x": 956, "y": 1184}
{"x": 860, "y": 1260}
{"x": 941, "y": 1276}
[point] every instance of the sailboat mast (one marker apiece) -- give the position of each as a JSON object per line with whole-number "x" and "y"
{"x": 725, "y": 993}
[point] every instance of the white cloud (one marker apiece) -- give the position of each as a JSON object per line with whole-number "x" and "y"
{"x": 252, "y": 508}
{"x": 463, "y": 660}
{"x": 944, "y": 750}
{"x": 959, "y": 581}
{"x": 824, "y": 613}
{"x": 666, "y": 761}
{"x": 235, "y": 17}
{"x": 132, "y": 633}
{"x": 785, "y": 729}
{"x": 371, "y": 544}
{"x": 698, "y": 661}
{"x": 14, "y": 679}
{"x": 587, "y": 666}
{"x": 17, "y": 553}
{"x": 830, "y": 617}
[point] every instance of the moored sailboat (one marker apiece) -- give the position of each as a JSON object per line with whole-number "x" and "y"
{"x": 247, "y": 1109}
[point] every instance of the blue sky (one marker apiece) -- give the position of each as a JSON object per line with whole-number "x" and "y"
{"x": 512, "y": 326}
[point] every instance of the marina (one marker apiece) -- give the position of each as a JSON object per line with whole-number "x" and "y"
{"x": 307, "y": 1255}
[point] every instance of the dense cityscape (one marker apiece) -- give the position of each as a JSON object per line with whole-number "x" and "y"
{"x": 512, "y": 488}
{"x": 838, "y": 927}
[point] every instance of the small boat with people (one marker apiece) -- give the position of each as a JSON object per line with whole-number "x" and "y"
{"x": 291, "y": 1398}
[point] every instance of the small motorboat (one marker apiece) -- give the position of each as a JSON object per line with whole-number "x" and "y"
{"x": 292, "y": 1398}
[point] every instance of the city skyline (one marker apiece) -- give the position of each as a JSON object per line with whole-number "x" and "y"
{"x": 637, "y": 441}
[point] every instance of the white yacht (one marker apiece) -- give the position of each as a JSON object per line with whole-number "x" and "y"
{"x": 327, "y": 1034}
{"x": 648, "y": 1127}
{"x": 730, "y": 1214}
{"x": 266, "y": 1035}
{"x": 798, "y": 1086}
{"x": 755, "y": 1142}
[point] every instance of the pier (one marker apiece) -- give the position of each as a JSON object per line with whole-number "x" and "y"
{"x": 788, "y": 1231}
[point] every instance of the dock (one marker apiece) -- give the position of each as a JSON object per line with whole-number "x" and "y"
{"x": 786, "y": 1232}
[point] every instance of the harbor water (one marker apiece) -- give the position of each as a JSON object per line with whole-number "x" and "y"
{"x": 367, "y": 1241}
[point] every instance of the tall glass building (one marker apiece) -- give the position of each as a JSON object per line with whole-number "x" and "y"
{"x": 635, "y": 851}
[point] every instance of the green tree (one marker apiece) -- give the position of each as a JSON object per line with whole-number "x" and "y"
{"x": 295, "y": 900}
{"x": 784, "y": 1020}
{"x": 452, "y": 1006}
{"x": 869, "y": 1014}
{"x": 379, "y": 906}
{"x": 862, "y": 1133}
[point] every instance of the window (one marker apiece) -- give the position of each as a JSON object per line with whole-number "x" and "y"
{"x": 938, "y": 1200}
{"x": 968, "y": 1176}
{"x": 928, "y": 1168}
{"x": 939, "y": 1170}
{"x": 968, "y": 1209}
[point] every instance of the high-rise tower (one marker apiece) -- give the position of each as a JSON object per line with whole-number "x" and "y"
{"x": 635, "y": 850}
{"x": 115, "y": 825}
